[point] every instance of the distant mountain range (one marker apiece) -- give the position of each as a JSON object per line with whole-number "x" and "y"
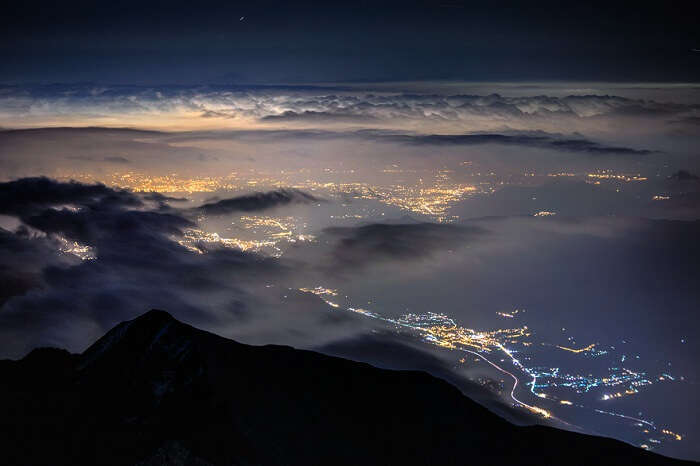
{"x": 155, "y": 391}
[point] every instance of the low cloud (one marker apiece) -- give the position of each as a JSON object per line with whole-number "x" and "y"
{"x": 51, "y": 297}
{"x": 371, "y": 244}
{"x": 684, "y": 175}
{"x": 24, "y": 258}
{"x": 116, "y": 159}
{"x": 256, "y": 202}
{"x": 28, "y": 196}
{"x": 541, "y": 141}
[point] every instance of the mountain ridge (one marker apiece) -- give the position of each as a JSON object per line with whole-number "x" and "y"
{"x": 154, "y": 390}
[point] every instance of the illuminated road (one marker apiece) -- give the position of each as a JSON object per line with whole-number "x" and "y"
{"x": 321, "y": 292}
{"x": 534, "y": 409}
{"x": 442, "y": 331}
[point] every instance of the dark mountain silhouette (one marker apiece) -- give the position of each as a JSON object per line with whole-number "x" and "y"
{"x": 155, "y": 391}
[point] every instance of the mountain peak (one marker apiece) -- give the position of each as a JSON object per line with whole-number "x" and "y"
{"x": 155, "y": 314}
{"x": 153, "y": 320}
{"x": 136, "y": 339}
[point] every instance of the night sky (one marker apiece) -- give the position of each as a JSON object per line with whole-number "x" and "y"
{"x": 478, "y": 190}
{"x": 176, "y": 42}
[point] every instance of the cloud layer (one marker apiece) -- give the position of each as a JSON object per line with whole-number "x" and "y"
{"x": 265, "y": 106}
{"x": 52, "y": 297}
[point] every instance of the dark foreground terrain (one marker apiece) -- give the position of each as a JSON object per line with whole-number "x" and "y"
{"x": 156, "y": 391}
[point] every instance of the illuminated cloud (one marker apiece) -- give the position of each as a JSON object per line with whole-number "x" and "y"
{"x": 217, "y": 106}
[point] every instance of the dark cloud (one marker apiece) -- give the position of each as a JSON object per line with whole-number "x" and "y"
{"x": 27, "y": 196}
{"x": 684, "y": 175}
{"x": 376, "y": 243}
{"x": 534, "y": 139}
{"x": 95, "y": 214}
{"x": 10, "y": 133}
{"x": 113, "y": 159}
{"x": 310, "y": 115}
{"x": 116, "y": 159}
{"x": 538, "y": 141}
{"x": 101, "y": 225}
{"x": 24, "y": 256}
{"x": 256, "y": 202}
{"x": 691, "y": 120}
{"x": 158, "y": 197}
